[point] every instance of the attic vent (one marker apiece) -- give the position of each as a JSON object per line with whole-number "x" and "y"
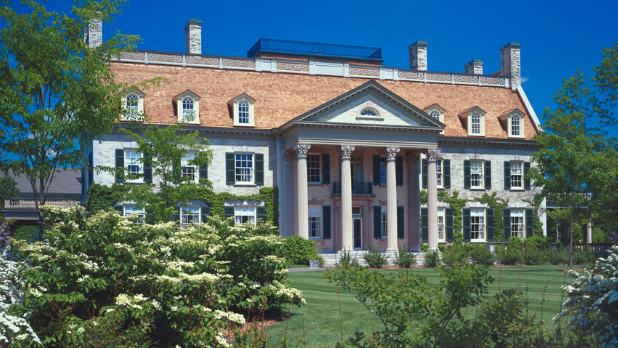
{"x": 369, "y": 112}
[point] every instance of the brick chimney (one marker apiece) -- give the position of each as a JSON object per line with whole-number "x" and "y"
{"x": 93, "y": 34}
{"x": 418, "y": 55}
{"x": 193, "y": 33}
{"x": 511, "y": 64}
{"x": 475, "y": 67}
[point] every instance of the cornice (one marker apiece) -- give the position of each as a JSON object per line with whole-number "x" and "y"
{"x": 443, "y": 141}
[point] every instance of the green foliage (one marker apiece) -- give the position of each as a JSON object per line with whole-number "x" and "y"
{"x": 476, "y": 254}
{"x": 432, "y": 258}
{"x": 299, "y": 251}
{"x": 558, "y": 257}
{"x": 347, "y": 260}
{"x": 583, "y": 257}
{"x": 509, "y": 256}
{"x": 127, "y": 284}
{"x": 456, "y": 205}
{"x": 424, "y": 247}
{"x": 498, "y": 204}
{"x": 516, "y": 243}
{"x": 536, "y": 257}
{"x": 423, "y": 197}
{"x": 375, "y": 258}
{"x": 8, "y": 188}
{"x": 537, "y": 224}
{"x": 26, "y": 232}
{"x": 101, "y": 197}
{"x": 404, "y": 257}
{"x": 537, "y": 243}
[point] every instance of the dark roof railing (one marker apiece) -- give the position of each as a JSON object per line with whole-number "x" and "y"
{"x": 315, "y": 49}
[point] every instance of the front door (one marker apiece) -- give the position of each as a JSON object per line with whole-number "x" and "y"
{"x": 357, "y": 235}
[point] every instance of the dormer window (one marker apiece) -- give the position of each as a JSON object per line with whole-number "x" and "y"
{"x": 369, "y": 112}
{"x": 242, "y": 110}
{"x": 473, "y": 120}
{"x": 436, "y": 112}
{"x": 475, "y": 124}
{"x": 133, "y": 105}
{"x": 188, "y": 107}
{"x": 513, "y": 122}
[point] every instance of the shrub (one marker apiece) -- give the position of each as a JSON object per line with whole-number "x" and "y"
{"x": 537, "y": 242}
{"x": 432, "y": 258}
{"x": 558, "y": 257}
{"x": 424, "y": 247}
{"x": 536, "y": 257}
{"x": 455, "y": 253}
{"x": 481, "y": 256}
{"x": 375, "y": 258}
{"x": 509, "y": 256}
{"x": 26, "y": 232}
{"x": 516, "y": 243}
{"x": 299, "y": 251}
{"x": 405, "y": 258}
{"x": 127, "y": 284}
{"x": 583, "y": 257}
{"x": 442, "y": 247}
{"x": 347, "y": 259}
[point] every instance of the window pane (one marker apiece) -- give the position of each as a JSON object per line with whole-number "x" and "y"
{"x": 384, "y": 220}
{"x": 476, "y": 123}
{"x": 189, "y": 215}
{"x": 243, "y": 112}
{"x": 440, "y": 224}
{"x": 435, "y": 115}
{"x": 132, "y": 106}
{"x": 382, "y": 170}
{"x": 439, "y": 172}
{"x": 516, "y": 175}
{"x": 189, "y": 170}
{"x": 187, "y": 109}
{"x": 313, "y": 169}
{"x": 244, "y": 215}
{"x": 132, "y": 162}
{"x": 244, "y": 168}
{"x": 315, "y": 222}
{"x": 476, "y": 173}
{"x": 515, "y": 125}
{"x": 477, "y": 224}
{"x": 369, "y": 112}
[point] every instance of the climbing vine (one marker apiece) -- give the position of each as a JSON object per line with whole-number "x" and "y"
{"x": 456, "y": 205}
{"x": 537, "y": 224}
{"x": 498, "y": 205}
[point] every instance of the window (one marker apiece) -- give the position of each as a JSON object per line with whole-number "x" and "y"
{"x": 315, "y": 222}
{"x": 382, "y": 171}
{"x": 243, "y": 112}
{"x": 435, "y": 114}
{"x": 517, "y": 175}
{"x": 515, "y": 124}
{"x": 133, "y": 164}
{"x": 513, "y": 120}
{"x": 474, "y": 119}
{"x": 439, "y": 171}
{"x": 475, "y": 127}
{"x": 133, "y": 212}
{"x": 384, "y": 223}
{"x": 187, "y": 109}
{"x": 243, "y": 215}
{"x": 369, "y": 112}
{"x": 244, "y": 168}
{"x": 477, "y": 224}
{"x": 132, "y": 107}
{"x": 189, "y": 170}
{"x": 476, "y": 174}
{"x": 314, "y": 169}
{"x": 517, "y": 223}
{"x": 441, "y": 226}
{"x": 189, "y": 215}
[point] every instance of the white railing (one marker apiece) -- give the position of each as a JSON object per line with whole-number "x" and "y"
{"x": 29, "y": 203}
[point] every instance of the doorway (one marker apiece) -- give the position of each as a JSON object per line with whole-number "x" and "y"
{"x": 357, "y": 234}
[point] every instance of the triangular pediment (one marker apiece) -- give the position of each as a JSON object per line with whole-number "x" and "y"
{"x": 373, "y": 105}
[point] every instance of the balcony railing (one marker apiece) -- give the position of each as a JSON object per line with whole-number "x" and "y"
{"x": 315, "y": 49}
{"x": 358, "y": 188}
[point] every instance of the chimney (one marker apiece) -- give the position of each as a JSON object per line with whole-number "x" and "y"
{"x": 193, "y": 32}
{"x": 511, "y": 64}
{"x": 475, "y": 66}
{"x": 418, "y": 55}
{"x": 93, "y": 34}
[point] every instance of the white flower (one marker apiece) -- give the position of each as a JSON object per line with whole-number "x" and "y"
{"x": 21, "y": 337}
{"x": 174, "y": 308}
{"x": 109, "y": 310}
{"x": 94, "y": 323}
{"x": 81, "y": 330}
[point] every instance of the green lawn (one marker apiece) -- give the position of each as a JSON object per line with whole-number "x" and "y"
{"x": 321, "y": 314}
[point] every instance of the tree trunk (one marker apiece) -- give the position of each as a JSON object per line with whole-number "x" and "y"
{"x": 571, "y": 246}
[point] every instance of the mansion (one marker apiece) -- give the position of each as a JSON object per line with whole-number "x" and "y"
{"x": 358, "y": 152}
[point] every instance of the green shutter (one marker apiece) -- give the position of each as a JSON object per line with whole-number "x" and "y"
{"x": 261, "y": 214}
{"x": 325, "y": 169}
{"x": 259, "y": 169}
{"x": 228, "y": 212}
{"x": 424, "y": 225}
{"x": 119, "y": 165}
{"x": 424, "y": 172}
{"x": 399, "y": 170}
{"x": 467, "y": 174}
{"x": 205, "y": 212}
{"x": 377, "y": 222}
{"x": 120, "y": 209}
{"x": 529, "y": 223}
{"x": 147, "y": 168}
{"x": 204, "y": 171}
{"x": 466, "y": 224}
{"x": 490, "y": 225}
{"x": 449, "y": 225}
{"x": 326, "y": 222}
{"x": 376, "y": 170}
{"x": 230, "y": 169}
{"x": 447, "y": 173}
{"x": 526, "y": 180}
{"x": 488, "y": 175}
{"x": 507, "y": 175}
{"x": 400, "y": 223}
{"x": 506, "y": 214}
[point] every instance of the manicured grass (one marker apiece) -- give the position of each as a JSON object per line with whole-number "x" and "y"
{"x": 298, "y": 266}
{"x": 321, "y": 321}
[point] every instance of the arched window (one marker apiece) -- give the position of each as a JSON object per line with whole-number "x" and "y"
{"x": 132, "y": 106}
{"x": 243, "y": 112}
{"x": 369, "y": 112}
{"x": 515, "y": 125}
{"x": 476, "y": 123}
{"x": 435, "y": 115}
{"x": 187, "y": 109}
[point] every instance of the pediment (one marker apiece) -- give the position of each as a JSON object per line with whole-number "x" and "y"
{"x": 373, "y": 105}
{"x": 187, "y": 93}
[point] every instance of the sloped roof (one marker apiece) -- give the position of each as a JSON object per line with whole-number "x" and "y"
{"x": 64, "y": 182}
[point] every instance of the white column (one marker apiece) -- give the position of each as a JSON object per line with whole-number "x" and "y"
{"x": 414, "y": 204}
{"x": 346, "y": 198}
{"x": 589, "y": 232}
{"x": 432, "y": 199}
{"x": 288, "y": 196}
{"x": 302, "y": 191}
{"x": 391, "y": 199}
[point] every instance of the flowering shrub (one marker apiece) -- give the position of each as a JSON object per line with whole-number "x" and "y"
{"x": 109, "y": 281}
{"x": 593, "y": 300}
{"x": 5, "y": 232}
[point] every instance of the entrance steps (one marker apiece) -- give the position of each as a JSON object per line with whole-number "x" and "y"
{"x": 330, "y": 259}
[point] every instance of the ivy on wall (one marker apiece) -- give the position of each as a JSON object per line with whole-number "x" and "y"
{"x": 498, "y": 205}
{"x": 456, "y": 203}
{"x": 537, "y": 224}
{"x": 101, "y": 197}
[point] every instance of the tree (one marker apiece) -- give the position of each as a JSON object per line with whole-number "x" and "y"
{"x": 55, "y": 91}
{"x": 8, "y": 188}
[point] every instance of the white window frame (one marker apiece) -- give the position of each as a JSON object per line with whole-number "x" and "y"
{"x": 521, "y": 175}
{"x": 235, "y": 105}
{"x": 188, "y": 215}
{"x": 138, "y": 214}
{"x": 310, "y": 160}
{"x": 482, "y": 175}
{"x": 369, "y": 112}
{"x": 179, "y": 100}
{"x": 474, "y": 213}
{"x": 251, "y": 181}
{"x": 184, "y": 163}
{"x": 315, "y": 222}
{"x": 250, "y": 215}
{"x": 188, "y": 115}
{"x": 469, "y": 115}
{"x": 139, "y": 164}
{"x": 518, "y": 218}
{"x": 384, "y": 223}
{"x": 139, "y": 110}
{"x": 436, "y": 109}
{"x": 441, "y": 232}
{"x": 440, "y": 173}
{"x": 521, "y": 117}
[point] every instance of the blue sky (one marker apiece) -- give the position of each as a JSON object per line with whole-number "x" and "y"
{"x": 556, "y": 36}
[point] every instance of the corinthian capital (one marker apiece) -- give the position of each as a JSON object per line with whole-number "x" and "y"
{"x": 301, "y": 150}
{"x": 391, "y": 153}
{"x": 346, "y": 151}
{"x": 433, "y": 154}
{"x": 413, "y": 158}
{"x": 287, "y": 156}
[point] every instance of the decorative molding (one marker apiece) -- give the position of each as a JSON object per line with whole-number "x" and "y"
{"x": 287, "y": 156}
{"x": 301, "y": 150}
{"x": 391, "y": 153}
{"x": 413, "y": 158}
{"x": 433, "y": 154}
{"x": 346, "y": 151}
